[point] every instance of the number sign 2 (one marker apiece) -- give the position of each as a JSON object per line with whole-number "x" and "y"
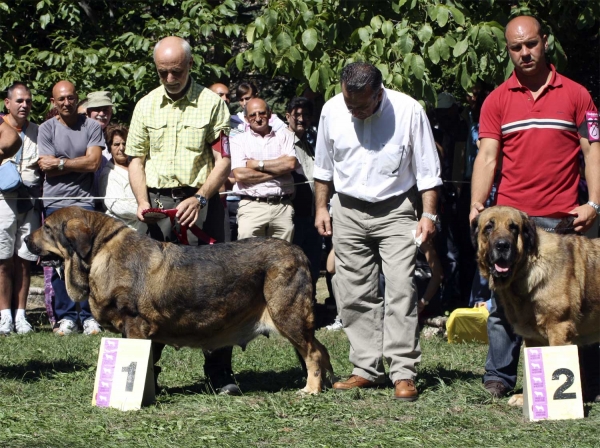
{"x": 125, "y": 374}
{"x": 552, "y": 384}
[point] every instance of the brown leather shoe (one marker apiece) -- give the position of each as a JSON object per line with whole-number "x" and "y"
{"x": 405, "y": 390}
{"x": 353, "y": 382}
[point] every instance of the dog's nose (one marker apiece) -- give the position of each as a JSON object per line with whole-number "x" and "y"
{"x": 26, "y": 240}
{"x": 502, "y": 245}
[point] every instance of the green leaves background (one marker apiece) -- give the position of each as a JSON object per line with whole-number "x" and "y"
{"x": 421, "y": 46}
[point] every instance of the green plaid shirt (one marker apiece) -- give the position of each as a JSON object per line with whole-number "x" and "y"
{"x": 175, "y": 136}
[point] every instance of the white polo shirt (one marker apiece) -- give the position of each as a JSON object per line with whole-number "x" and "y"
{"x": 380, "y": 157}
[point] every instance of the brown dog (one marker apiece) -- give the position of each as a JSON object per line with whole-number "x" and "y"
{"x": 207, "y": 296}
{"x": 548, "y": 284}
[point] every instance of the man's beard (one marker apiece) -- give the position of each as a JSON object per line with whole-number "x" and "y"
{"x": 182, "y": 88}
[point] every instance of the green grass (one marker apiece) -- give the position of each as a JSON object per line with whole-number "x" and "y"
{"x": 46, "y": 385}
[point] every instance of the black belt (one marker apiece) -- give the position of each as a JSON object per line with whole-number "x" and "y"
{"x": 175, "y": 193}
{"x": 268, "y": 199}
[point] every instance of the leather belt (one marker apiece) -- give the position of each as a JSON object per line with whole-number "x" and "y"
{"x": 175, "y": 193}
{"x": 268, "y": 199}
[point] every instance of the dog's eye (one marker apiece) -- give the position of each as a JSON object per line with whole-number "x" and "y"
{"x": 514, "y": 228}
{"x": 488, "y": 227}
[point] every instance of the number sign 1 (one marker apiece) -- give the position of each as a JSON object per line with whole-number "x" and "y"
{"x": 125, "y": 374}
{"x": 552, "y": 384}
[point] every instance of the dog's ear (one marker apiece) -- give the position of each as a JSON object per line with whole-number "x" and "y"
{"x": 529, "y": 234}
{"x": 79, "y": 237}
{"x": 475, "y": 232}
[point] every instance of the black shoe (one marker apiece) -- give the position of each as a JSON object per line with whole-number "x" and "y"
{"x": 224, "y": 384}
{"x": 229, "y": 389}
{"x": 496, "y": 388}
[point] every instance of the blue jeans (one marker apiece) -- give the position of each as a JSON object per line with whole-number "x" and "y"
{"x": 480, "y": 290}
{"x": 505, "y": 346}
{"x": 64, "y": 307}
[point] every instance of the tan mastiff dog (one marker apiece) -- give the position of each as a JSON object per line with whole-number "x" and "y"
{"x": 204, "y": 296}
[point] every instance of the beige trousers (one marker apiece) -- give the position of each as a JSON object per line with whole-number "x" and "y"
{"x": 264, "y": 219}
{"x": 366, "y": 236}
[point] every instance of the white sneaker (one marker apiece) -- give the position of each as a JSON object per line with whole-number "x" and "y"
{"x": 6, "y": 326}
{"x": 90, "y": 326}
{"x": 336, "y": 325}
{"x": 22, "y": 326}
{"x": 65, "y": 327}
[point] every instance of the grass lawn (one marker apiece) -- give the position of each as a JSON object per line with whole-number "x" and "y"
{"x": 46, "y": 385}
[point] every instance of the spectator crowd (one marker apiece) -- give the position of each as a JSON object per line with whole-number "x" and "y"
{"x": 371, "y": 178}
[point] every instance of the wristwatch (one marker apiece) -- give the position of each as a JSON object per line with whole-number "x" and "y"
{"x": 201, "y": 200}
{"x": 434, "y": 218}
{"x": 261, "y": 165}
{"x": 595, "y": 207}
{"x": 61, "y": 164}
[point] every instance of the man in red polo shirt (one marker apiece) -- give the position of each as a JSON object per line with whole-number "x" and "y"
{"x": 536, "y": 122}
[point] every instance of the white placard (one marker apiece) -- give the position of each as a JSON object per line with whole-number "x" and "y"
{"x": 552, "y": 383}
{"x": 124, "y": 374}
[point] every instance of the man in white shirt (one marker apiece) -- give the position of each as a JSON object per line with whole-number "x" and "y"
{"x": 376, "y": 148}
{"x": 262, "y": 162}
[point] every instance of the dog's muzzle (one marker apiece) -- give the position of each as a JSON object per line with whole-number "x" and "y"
{"x": 502, "y": 255}
{"x": 32, "y": 247}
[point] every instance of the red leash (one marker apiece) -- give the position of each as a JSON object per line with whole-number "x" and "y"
{"x": 159, "y": 213}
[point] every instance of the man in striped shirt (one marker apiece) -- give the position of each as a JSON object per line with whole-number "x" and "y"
{"x": 536, "y": 122}
{"x": 262, "y": 162}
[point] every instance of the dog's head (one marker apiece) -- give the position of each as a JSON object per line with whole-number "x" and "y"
{"x": 66, "y": 233}
{"x": 75, "y": 235}
{"x": 503, "y": 237}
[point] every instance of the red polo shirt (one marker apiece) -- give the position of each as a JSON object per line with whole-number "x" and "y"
{"x": 539, "y": 143}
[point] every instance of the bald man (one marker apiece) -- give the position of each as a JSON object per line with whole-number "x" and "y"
{"x": 262, "y": 162}
{"x": 537, "y": 122}
{"x": 179, "y": 144}
{"x": 70, "y": 148}
{"x": 222, "y": 90}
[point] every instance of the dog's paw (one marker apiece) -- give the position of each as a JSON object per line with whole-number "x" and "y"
{"x": 516, "y": 400}
{"x": 308, "y": 391}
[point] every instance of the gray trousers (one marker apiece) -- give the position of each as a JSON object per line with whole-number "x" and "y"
{"x": 368, "y": 237}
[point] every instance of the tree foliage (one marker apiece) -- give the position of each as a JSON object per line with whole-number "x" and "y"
{"x": 107, "y": 45}
{"x": 421, "y": 46}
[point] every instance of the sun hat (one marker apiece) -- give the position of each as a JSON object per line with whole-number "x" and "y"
{"x": 99, "y": 99}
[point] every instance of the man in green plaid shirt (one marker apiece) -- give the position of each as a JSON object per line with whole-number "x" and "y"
{"x": 178, "y": 141}
{"x": 170, "y": 138}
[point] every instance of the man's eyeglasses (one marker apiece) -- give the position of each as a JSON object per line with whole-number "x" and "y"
{"x": 255, "y": 115}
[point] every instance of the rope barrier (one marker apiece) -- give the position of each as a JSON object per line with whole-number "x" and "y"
{"x": 58, "y": 198}
{"x": 222, "y": 193}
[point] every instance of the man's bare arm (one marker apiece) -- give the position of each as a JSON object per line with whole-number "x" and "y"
{"x": 273, "y": 168}
{"x": 586, "y": 214}
{"x": 10, "y": 142}
{"x": 188, "y": 210}
{"x": 137, "y": 180}
{"x": 250, "y": 176}
{"x": 277, "y": 167}
{"x": 89, "y": 163}
{"x": 484, "y": 169}
{"x": 426, "y": 227}
{"x": 323, "y": 191}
